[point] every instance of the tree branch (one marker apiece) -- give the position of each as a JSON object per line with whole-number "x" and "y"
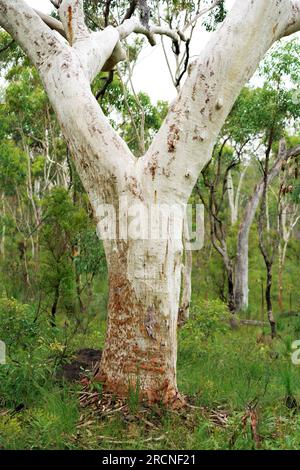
{"x": 293, "y": 23}
{"x": 53, "y": 23}
{"x": 202, "y": 13}
{"x": 185, "y": 141}
{"x": 72, "y": 17}
{"x": 133, "y": 25}
{"x": 131, "y": 10}
{"x": 28, "y": 30}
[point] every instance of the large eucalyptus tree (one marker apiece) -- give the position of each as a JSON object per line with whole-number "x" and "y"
{"x": 144, "y": 274}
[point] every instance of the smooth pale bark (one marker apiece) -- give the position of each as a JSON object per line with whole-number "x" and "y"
{"x": 140, "y": 349}
{"x": 241, "y": 284}
{"x": 234, "y": 197}
{"x": 184, "y": 309}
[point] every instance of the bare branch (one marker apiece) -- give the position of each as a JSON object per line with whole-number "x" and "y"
{"x": 53, "y": 23}
{"x": 107, "y": 11}
{"x": 202, "y": 13}
{"x": 131, "y": 10}
{"x": 133, "y": 25}
{"x": 100, "y": 94}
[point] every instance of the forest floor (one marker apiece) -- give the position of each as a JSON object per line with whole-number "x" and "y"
{"x": 242, "y": 392}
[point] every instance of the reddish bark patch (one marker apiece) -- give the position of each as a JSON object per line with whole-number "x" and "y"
{"x": 197, "y": 134}
{"x": 134, "y": 188}
{"x": 70, "y": 27}
{"x": 150, "y": 322}
{"x": 275, "y": 28}
{"x": 153, "y": 165}
{"x": 173, "y": 138}
{"x": 139, "y": 349}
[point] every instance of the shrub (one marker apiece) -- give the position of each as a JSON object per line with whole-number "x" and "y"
{"x": 207, "y": 318}
{"x": 28, "y": 344}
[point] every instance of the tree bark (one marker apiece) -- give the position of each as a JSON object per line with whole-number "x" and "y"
{"x": 141, "y": 345}
{"x": 140, "y": 349}
{"x": 269, "y": 301}
{"x": 234, "y": 198}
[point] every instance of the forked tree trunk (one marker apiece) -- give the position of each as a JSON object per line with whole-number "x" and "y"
{"x": 280, "y": 281}
{"x": 269, "y": 300}
{"x": 140, "y": 348}
{"x": 234, "y": 197}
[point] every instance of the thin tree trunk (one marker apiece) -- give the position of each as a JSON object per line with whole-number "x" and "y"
{"x": 269, "y": 301}
{"x": 280, "y": 280}
{"x": 184, "y": 310}
{"x": 286, "y": 231}
{"x": 54, "y": 306}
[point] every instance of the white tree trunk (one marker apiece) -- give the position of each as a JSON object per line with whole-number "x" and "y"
{"x": 241, "y": 284}
{"x": 144, "y": 275}
{"x": 141, "y": 345}
{"x": 234, "y": 197}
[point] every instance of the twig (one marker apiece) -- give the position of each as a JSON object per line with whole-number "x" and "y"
{"x": 149, "y": 439}
{"x": 201, "y": 13}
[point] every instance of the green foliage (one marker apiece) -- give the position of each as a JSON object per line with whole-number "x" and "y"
{"x": 13, "y": 167}
{"x": 207, "y": 318}
{"x": 91, "y": 257}
{"x": 215, "y": 17}
{"x": 281, "y": 64}
{"x": 28, "y": 365}
{"x": 17, "y": 326}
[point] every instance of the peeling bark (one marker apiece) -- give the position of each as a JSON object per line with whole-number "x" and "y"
{"x": 141, "y": 345}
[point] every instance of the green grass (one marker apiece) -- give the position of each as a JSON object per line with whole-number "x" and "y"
{"x": 221, "y": 375}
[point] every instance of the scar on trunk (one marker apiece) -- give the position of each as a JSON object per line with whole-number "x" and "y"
{"x": 150, "y": 322}
{"x": 173, "y": 138}
{"x": 153, "y": 165}
{"x": 70, "y": 28}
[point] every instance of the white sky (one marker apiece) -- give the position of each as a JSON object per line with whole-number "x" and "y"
{"x": 151, "y": 73}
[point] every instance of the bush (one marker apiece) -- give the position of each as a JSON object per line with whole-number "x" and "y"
{"x": 28, "y": 363}
{"x": 18, "y": 328}
{"x": 207, "y": 318}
